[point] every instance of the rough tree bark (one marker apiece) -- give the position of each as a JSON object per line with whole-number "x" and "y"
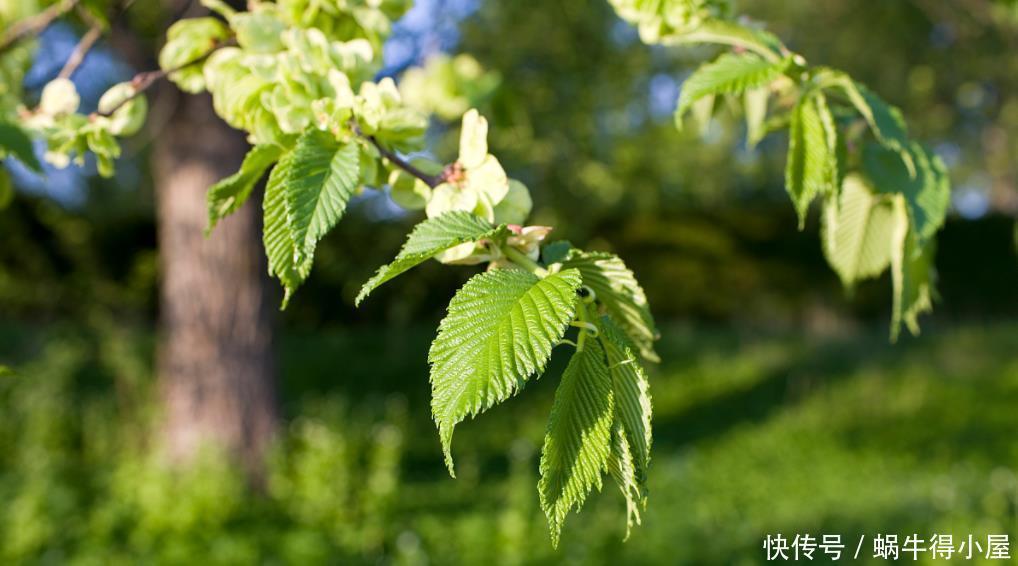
{"x": 215, "y": 361}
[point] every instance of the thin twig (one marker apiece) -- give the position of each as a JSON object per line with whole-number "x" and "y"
{"x": 431, "y": 180}
{"x": 95, "y": 31}
{"x": 35, "y": 24}
{"x": 80, "y": 50}
{"x": 144, "y": 81}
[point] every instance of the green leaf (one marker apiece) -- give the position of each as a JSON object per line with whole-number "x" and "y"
{"x": 259, "y": 30}
{"x": 622, "y": 468}
{"x": 721, "y": 32}
{"x": 515, "y": 207}
{"x": 280, "y": 246}
{"x": 323, "y": 176}
{"x": 631, "y": 439}
{"x": 126, "y": 109}
{"x": 446, "y": 198}
{"x": 857, "y": 230}
{"x": 6, "y": 371}
{"x": 885, "y": 120}
{"x": 812, "y": 154}
{"x": 927, "y": 193}
{"x": 730, "y": 74}
{"x": 556, "y": 252}
{"x": 616, "y": 288}
{"x": 632, "y": 395}
{"x": 229, "y": 194}
{"x": 755, "y": 104}
{"x": 911, "y": 274}
{"x": 187, "y": 41}
{"x": 577, "y": 445}
{"x": 703, "y": 111}
{"x": 429, "y": 238}
{"x": 14, "y": 141}
{"x": 500, "y": 330}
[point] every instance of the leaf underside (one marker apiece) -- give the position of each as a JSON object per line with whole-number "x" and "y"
{"x": 858, "y": 231}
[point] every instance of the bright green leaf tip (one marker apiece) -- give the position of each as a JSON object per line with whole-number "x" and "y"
{"x": 429, "y": 238}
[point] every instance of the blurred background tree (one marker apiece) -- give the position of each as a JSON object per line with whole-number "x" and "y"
{"x": 768, "y": 368}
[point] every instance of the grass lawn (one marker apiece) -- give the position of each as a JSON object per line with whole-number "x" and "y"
{"x": 754, "y": 434}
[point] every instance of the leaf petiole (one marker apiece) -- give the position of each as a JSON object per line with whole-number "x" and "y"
{"x": 521, "y": 259}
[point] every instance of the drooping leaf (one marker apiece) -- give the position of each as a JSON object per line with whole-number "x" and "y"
{"x": 616, "y": 288}
{"x": 730, "y": 74}
{"x": 14, "y": 141}
{"x": 833, "y": 145}
{"x": 500, "y": 330}
{"x": 812, "y": 160}
{"x": 229, "y": 194}
{"x": 577, "y": 445}
{"x": 623, "y": 470}
{"x": 885, "y": 120}
{"x": 703, "y": 111}
{"x": 722, "y": 32}
{"x": 632, "y": 395}
{"x": 857, "y": 231}
{"x": 755, "y": 104}
{"x": 431, "y": 237}
{"x": 911, "y": 274}
{"x": 281, "y": 249}
{"x": 927, "y": 193}
{"x": 323, "y": 175}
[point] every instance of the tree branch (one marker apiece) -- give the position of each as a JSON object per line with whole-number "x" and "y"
{"x": 431, "y": 180}
{"x": 35, "y": 24}
{"x": 95, "y": 31}
{"x": 80, "y": 50}
{"x": 144, "y": 81}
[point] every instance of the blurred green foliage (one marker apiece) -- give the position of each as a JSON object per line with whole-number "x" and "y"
{"x": 756, "y": 434}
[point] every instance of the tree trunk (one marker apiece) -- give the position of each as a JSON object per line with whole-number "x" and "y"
{"x": 215, "y": 360}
